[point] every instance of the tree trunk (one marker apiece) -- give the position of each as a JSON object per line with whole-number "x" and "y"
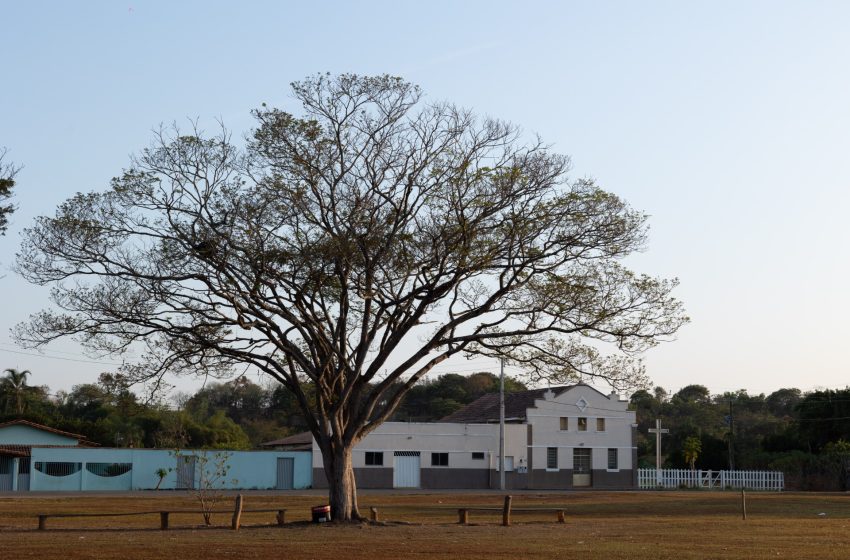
{"x": 342, "y": 489}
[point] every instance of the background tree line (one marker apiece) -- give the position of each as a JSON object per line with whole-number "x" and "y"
{"x": 239, "y": 414}
{"x": 805, "y": 435}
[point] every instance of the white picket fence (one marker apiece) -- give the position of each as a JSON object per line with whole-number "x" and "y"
{"x": 684, "y": 478}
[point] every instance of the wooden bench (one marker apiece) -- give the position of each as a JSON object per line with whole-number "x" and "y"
{"x": 463, "y": 513}
{"x": 280, "y": 516}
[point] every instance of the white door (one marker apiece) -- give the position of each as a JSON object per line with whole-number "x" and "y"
{"x": 406, "y": 469}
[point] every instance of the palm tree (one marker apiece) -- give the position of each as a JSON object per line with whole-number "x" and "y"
{"x": 691, "y": 450}
{"x": 15, "y": 382}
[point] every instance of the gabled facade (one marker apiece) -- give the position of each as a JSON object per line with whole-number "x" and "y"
{"x": 17, "y": 438}
{"x": 580, "y": 437}
{"x": 561, "y": 438}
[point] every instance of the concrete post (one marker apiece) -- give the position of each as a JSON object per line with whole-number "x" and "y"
{"x": 16, "y": 464}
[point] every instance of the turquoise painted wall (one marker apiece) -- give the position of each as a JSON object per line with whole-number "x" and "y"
{"x": 250, "y": 469}
{"x": 27, "y": 435}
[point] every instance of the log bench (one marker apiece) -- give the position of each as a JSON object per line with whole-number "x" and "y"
{"x": 280, "y": 516}
{"x": 463, "y": 513}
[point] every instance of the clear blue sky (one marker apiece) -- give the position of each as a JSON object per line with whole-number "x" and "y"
{"x": 727, "y": 122}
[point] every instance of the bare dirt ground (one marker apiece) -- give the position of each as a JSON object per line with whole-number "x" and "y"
{"x": 600, "y": 525}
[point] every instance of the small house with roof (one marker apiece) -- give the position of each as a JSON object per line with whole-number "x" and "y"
{"x": 558, "y": 438}
{"x": 17, "y": 440}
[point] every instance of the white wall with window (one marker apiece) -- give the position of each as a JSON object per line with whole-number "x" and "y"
{"x": 581, "y": 417}
{"x": 465, "y": 446}
{"x": 574, "y": 426}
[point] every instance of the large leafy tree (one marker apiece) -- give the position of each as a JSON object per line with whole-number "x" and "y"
{"x": 346, "y": 252}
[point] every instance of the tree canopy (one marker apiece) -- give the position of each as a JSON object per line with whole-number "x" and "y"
{"x": 13, "y": 387}
{"x": 8, "y": 171}
{"x": 347, "y": 251}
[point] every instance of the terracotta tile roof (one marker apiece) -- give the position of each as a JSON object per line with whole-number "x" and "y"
{"x": 486, "y": 408}
{"x": 297, "y": 441}
{"x": 42, "y": 427}
{"x": 14, "y": 450}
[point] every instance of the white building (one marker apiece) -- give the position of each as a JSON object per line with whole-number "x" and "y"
{"x": 560, "y": 438}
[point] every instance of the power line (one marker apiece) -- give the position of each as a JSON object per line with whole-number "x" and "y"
{"x": 822, "y": 419}
{"x": 36, "y": 355}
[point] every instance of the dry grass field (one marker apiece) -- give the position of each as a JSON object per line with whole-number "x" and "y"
{"x": 629, "y": 525}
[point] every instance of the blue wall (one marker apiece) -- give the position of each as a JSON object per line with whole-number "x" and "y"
{"x": 250, "y": 469}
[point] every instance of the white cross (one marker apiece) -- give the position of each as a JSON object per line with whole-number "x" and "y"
{"x": 658, "y": 430}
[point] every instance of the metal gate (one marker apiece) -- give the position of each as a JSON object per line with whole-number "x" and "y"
{"x": 15, "y": 473}
{"x": 406, "y": 469}
{"x": 581, "y": 467}
{"x": 285, "y": 473}
{"x": 24, "y": 474}
{"x": 186, "y": 472}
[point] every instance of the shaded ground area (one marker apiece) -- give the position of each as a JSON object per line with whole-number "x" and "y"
{"x": 599, "y": 525}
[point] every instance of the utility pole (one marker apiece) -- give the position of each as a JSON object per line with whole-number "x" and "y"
{"x": 502, "y": 424}
{"x": 731, "y": 435}
{"x": 658, "y": 430}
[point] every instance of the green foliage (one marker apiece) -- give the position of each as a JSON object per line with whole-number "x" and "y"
{"x": 235, "y": 415}
{"x": 433, "y": 399}
{"x": 824, "y": 416}
{"x": 804, "y": 435}
{"x": 838, "y": 449}
{"x": 13, "y": 390}
{"x": 691, "y": 450}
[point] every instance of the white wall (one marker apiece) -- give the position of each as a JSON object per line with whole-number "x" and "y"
{"x": 577, "y": 402}
{"x": 459, "y": 440}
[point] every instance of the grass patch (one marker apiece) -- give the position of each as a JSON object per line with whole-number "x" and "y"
{"x": 600, "y": 525}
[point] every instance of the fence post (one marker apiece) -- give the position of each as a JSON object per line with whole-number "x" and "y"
{"x": 463, "y": 516}
{"x": 561, "y": 516}
{"x": 163, "y": 520}
{"x": 42, "y": 522}
{"x": 281, "y": 517}
{"x": 237, "y": 513}
{"x": 506, "y": 512}
{"x": 744, "y": 504}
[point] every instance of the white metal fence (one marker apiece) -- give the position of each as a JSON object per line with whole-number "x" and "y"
{"x": 684, "y": 478}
